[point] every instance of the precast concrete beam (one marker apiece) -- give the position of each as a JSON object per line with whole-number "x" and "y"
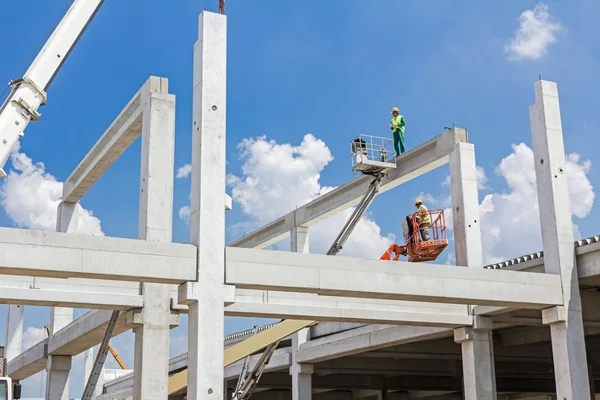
{"x": 64, "y": 255}
{"x": 83, "y": 333}
{"x": 413, "y": 163}
{"x": 112, "y": 144}
{"x": 66, "y": 298}
{"x": 280, "y": 360}
{"x": 394, "y": 280}
{"x": 365, "y": 339}
{"x": 272, "y": 304}
{"x": 30, "y": 362}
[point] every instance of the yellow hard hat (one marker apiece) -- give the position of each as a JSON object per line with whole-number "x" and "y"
{"x": 395, "y": 109}
{"x": 418, "y": 201}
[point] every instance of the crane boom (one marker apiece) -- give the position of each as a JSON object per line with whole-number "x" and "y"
{"x": 29, "y": 92}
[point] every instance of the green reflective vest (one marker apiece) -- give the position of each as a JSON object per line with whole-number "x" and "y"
{"x": 398, "y": 120}
{"x": 424, "y": 215}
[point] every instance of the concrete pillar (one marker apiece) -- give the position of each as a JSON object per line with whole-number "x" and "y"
{"x": 88, "y": 364}
{"x": 301, "y": 373}
{"x": 478, "y": 359}
{"x": 465, "y": 206}
{"x": 566, "y": 322}
{"x": 58, "y": 368}
{"x": 206, "y": 297}
{"x": 152, "y": 325}
{"x": 479, "y": 378}
{"x": 14, "y": 331}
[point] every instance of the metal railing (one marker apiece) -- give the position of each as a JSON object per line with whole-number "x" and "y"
{"x": 436, "y": 231}
{"x": 372, "y": 148}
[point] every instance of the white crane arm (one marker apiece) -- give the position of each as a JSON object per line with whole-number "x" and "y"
{"x": 29, "y": 92}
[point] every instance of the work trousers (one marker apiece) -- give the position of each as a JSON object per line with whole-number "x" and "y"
{"x": 398, "y": 139}
{"x": 424, "y": 231}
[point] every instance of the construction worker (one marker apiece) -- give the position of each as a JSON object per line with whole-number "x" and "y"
{"x": 397, "y": 127}
{"x": 423, "y": 219}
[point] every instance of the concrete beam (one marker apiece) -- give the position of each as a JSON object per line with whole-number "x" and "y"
{"x": 64, "y": 255}
{"x": 394, "y": 280}
{"x": 270, "y": 304}
{"x": 65, "y": 298}
{"x": 115, "y": 140}
{"x": 280, "y": 360}
{"x": 364, "y": 339}
{"x": 415, "y": 162}
{"x": 587, "y": 252}
{"x": 30, "y": 362}
{"x": 83, "y": 333}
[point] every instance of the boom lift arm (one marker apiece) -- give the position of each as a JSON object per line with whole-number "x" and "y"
{"x": 358, "y": 212}
{"x": 248, "y": 383}
{"x": 29, "y": 92}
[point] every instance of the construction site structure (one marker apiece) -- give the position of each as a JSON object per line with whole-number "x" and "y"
{"x": 147, "y": 282}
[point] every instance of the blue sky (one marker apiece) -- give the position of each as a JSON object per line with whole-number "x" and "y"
{"x": 332, "y": 69}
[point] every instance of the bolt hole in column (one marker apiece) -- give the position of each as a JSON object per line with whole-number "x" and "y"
{"x": 541, "y": 161}
{"x": 214, "y": 108}
{"x": 58, "y": 55}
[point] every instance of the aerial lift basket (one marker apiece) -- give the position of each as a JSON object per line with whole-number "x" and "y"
{"x": 372, "y": 155}
{"x": 426, "y": 248}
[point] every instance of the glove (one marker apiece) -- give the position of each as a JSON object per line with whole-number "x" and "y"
{"x": 394, "y": 125}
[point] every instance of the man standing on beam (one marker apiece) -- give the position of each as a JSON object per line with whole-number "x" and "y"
{"x": 397, "y": 127}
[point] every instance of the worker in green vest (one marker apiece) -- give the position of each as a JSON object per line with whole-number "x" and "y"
{"x": 397, "y": 127}
{"x": 423, "y": 219}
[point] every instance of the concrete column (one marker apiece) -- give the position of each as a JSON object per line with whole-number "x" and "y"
{"x": 465, "y": 206}
{"x": 88, "y": 364}
{"x": 58, "y": 368}
{"x": 14, "y": 331}
{"x": 301, "y": 373}
{"x": 152, "y": 325}
{"x": 206, "y": 297}
{"x": 479, "y": 378}
{"x": 478, "y": 359}
{"x": 566, "y": 323}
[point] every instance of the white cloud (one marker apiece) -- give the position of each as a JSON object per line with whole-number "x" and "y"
{"x": 30, "y": 197}
{"x": 184, "y": 214}
{"x": 510, "y": 221}
{"x": 536, "y": 32}
{"x": 33, "y": 336}
{"x": 184, "y": 171}
{"x": 280, "y": 177}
